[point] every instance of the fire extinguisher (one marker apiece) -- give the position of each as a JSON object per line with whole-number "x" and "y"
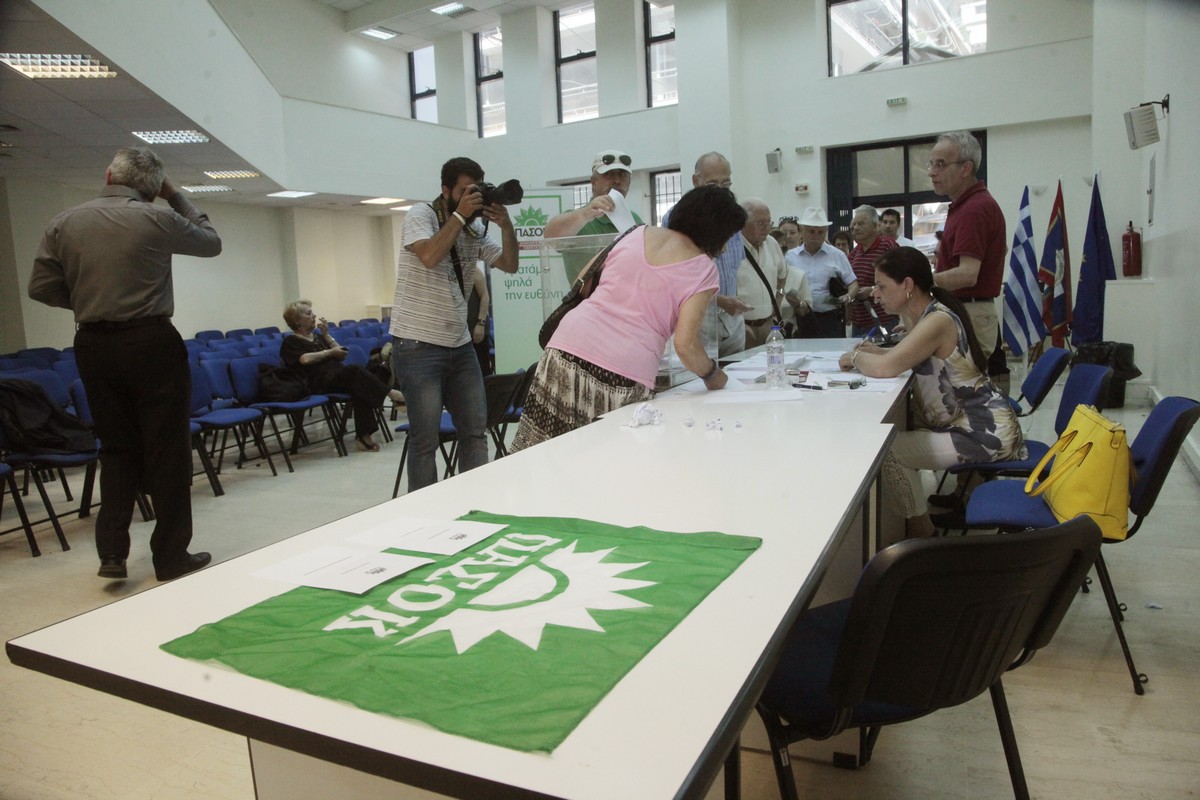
{"x": 1131, "y": 251}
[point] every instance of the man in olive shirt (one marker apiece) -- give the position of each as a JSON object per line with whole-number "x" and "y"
{"x": 109, "y": 261}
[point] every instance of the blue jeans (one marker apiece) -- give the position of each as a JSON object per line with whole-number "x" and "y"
{"x": 432, "y": 377}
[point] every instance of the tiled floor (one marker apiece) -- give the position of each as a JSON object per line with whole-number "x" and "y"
{"x": 1083, "y": 733}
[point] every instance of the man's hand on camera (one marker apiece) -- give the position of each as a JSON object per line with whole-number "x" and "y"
{"x": 497, "y": 214}
{"x": 470, "y": 202}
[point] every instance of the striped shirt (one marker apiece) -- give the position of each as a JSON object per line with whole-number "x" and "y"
{"x": 428, "y": 305}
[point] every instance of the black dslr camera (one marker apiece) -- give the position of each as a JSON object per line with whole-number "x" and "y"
{"x": 506, "y": 194}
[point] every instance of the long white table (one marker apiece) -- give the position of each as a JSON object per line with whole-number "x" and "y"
{"x": 666, "y": 728}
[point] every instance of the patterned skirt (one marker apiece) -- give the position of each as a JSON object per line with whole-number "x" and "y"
{"x": 568, "y": 393}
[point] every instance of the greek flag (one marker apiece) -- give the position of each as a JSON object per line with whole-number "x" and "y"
{"x": 1023, "y": 325}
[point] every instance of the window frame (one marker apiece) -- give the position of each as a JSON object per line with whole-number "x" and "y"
{"x": 654, "y": 198}
{"x": 481, "y": 80}
{"x": 905, "y": 36}
{"x": 560, "y": 60}
{"x": 650, "y": 41}
{"x": 413, "y": 94}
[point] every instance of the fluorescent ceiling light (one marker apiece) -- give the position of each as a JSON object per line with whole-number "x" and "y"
{"x": 171, "y": 137}
{"x": 402, "y": 208}
{"x": 379, "y": 33}
{"x": 57, "y": 65}
{"x": 451, "y": 10}
{"x": 290, "y": 194}
{"x": 206, "y": 188}
{"x": 383, "y": 201}
{"x": 230, "y": 174}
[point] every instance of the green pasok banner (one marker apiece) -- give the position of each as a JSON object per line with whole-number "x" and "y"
{"x": 511, "y": 642}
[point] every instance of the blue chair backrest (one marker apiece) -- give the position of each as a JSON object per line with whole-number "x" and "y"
{"x": 56, "y": 388}
{"x": 357, "y": 356}
{"x": 268, "y": 331}
{"x": 1085, "y": 386}
{"x": 23, "y": 362}
{"x": 205, "y": 336}
{"x": 1155, "y": 447}
{"x": 347, "y": 323}
{"x": 229, "y": 345}
{"x": 194, "y": 345}
{"x": 47, "y": 354}
{"x": 266, "y": 355}
{"x": 341, "y": 334}
{"x": 68, "y": 370}
{"x": 83, "y": 409}
{"x": 216, "y": 372}
{"x": 238, "y": 333}
{"x": 244, "y": 372}
{"x": 1045, "y": 372}
{"x": 201, "y": 391}
{"x": 368, "y": 320}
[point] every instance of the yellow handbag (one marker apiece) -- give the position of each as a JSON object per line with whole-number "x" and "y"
{"x": 1090, "y": 474}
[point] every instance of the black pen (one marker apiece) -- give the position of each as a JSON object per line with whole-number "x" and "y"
{"x": 810, "y": 388}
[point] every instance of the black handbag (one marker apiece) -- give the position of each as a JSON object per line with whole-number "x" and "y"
{"x": 581, "y": 290}
{"x": 280, "y": 385}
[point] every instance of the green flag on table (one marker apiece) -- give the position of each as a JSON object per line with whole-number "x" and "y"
{"x": 512, "y": 641}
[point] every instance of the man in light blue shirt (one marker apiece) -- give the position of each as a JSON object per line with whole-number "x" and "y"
{"x": 821, "y": 261}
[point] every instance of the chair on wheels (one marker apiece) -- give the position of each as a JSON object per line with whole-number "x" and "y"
{"x": 1040, "y": 380}
{"x": 1087, "y": 385}
{"x": 1004, "y": 504}
{"x": 932, "y": 624}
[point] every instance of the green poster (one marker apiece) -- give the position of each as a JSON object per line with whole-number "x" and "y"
{"x": 512, "y": 641}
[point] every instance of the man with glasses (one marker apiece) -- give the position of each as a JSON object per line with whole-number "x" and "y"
{"x": 821, "y": 261}
{"x": 761, "y": 274}
{"x": 970, "y": 255}
{"x": 610, "y": 170}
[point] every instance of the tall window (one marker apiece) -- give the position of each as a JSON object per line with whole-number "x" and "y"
{"x": 662, "y": 82}
{"x": 575, "y": 59}
{"x": 667, "y": 188}
{"x": 891, "y": 175}
{"x": 866, "y": 35}
{"x": 422, "y": 84}
{"x": 583, "y": 193}
{"x": 489, "y": 82}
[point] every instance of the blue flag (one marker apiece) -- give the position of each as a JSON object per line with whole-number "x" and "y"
{"x": 1023, "y": 324}
{"x": 1096, "y": 268}
{"x": 1055, "y": 274}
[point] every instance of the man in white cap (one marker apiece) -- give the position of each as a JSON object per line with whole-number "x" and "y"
{"x": 821, "y": 261}
{"x": 610, "y": 170}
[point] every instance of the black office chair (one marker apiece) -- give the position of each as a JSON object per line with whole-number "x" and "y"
{"x": 932, "y": 624}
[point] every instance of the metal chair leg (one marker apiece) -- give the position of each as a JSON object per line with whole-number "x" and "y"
{"x": 1009, "y": 739}
{"x": 1139, "y": 678}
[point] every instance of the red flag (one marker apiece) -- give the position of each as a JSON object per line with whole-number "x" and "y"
{"x": 1054, "y": 272}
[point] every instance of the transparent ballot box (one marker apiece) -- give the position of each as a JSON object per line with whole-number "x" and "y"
{"x": 563, "y": 258}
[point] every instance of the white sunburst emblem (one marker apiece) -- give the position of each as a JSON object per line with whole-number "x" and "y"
{"x": 524, "y": 604}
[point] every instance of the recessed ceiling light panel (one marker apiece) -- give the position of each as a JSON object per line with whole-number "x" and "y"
{"x": 290, "y": 194}
{"x": 57, "y": 65}
{"x": 171, "y": 137}
{"x": 230, "y": 174}
{"x": 379, "y": 33}
{"x": 451, "y": 10}
{"x": 383, "y": 201}
{"x": 206, "y": 188}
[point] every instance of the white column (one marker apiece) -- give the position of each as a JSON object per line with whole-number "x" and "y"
{"x": 454, "y": 66}
{"x": 620, "y": 56}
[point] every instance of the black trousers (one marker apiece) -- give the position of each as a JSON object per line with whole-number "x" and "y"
{"x": 367, "y": 393}
{"x": 823, "y": 325}
{"x": 139, "y": 387}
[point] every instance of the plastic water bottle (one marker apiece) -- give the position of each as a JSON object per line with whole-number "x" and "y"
{"x": 776, "y": 373}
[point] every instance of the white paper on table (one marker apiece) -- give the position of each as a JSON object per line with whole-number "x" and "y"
{"x": 620, "y": 216}
{"x": 441, "y": 537}
{"x": 343, "y": 569}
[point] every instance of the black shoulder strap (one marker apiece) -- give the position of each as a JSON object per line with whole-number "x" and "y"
{"x": 439, "y": 209}
{"x": 763, "y": 278}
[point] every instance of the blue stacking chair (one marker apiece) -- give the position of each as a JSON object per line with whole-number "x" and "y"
{"x": 83, "y": 410}
{"x": 1040, "y": 380}
{"x": 67, "y": 369}
{"x": 516, "y": 408}
{"x": 1005, "y": 506}
{"x": 237, "y": 333}
{"x": 341, "y": 400}
{"x": 244, "y": 423}
{"x": 244, "y": 373}
{"x": 209, "y": 335}
{"x": 46, "y": 354}
{"x": 932, "y": 624}
{"x": 267, "y": 354}
{"x": 1086, "y": 385}
{"x": 271, "y": 331}
{"x": 447, "y": 435}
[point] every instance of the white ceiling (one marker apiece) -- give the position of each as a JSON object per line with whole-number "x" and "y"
{"x": 65, "y": 130}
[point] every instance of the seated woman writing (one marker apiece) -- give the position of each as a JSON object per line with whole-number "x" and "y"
{"x": 605, "y": 352}
{"x": 959, "y": 416}
{"x": 313, "y": 354}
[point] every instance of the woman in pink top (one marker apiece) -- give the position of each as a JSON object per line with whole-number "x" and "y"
{"x": 656, "y": 282}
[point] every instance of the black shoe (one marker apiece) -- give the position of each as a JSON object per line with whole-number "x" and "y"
{"x": 113, "y": 568}
{"x": 955, "y": 519}
{"x": 944, "y": 500}
{"x": 189, "y": 563}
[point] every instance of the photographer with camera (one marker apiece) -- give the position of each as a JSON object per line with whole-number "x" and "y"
{"x": 432, "y": 355}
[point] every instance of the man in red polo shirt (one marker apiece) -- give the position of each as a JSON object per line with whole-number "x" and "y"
{"x": 970, "y": 256}
{"x": 868, "y": 247}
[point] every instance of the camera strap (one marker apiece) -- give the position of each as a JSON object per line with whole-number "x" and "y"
{"x": 439, "y": 210}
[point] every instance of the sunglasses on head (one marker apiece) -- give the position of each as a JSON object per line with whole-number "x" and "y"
{"x": 796, "y": 220}
{"x": 608, "y": 158}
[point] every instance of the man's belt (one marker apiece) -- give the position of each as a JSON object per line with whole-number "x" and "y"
{"x": 756, "y": 322}
{"x": 124, "y": 324}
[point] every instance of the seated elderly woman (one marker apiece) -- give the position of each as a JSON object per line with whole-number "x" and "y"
{"x": 313, "y": 354}
{"x": 959, "y": 416}
{"x": 656, "y": 281}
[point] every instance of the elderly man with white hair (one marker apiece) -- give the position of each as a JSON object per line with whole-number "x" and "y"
{"x": 762, "y": 274}
{"x": 868, "y": 247}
